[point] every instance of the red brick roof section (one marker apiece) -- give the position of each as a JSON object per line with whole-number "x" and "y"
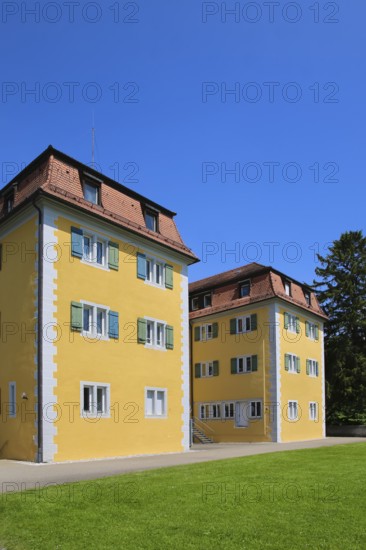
{"x": 265, "y": 283}
{"x": 60, "y": 177}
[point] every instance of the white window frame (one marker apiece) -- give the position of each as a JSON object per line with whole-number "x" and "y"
{"x": 93, "y": 412}
{"x": 154, "y": 216}
{"x": 91, "y": 258}
{"x": 155, "y": 323}
{"x": 313, "y": 411}
{"x": 205, "y": 332}
{"x": 151, "y": 272}
{"x": 244, "y": 359}
{"x": 292, "y": 368}
{"x": 207, "y": 369}
{"x": 313, "y": 367}
{"x": 94, "y": 187}
{"x": 230, "y": 405}
{"x": 94, "y": 309}
{"x": 291, "y": 322}
{"x": 243, "y": 284}
{"x": 287, "y": 286}
{"x": 210, "y": 409}
{"x": 292, "y": 407}
{"x": 312, "y": 330}
{"x": 12, "y": 412}
{"x": 257, "y": 403}
{"x": 243, "y": 319}
{"x": 195, "y": 303}
{"x": 307, "y": 297}
{"x": 205, "y": 296}
{"x": 165, "y": 402}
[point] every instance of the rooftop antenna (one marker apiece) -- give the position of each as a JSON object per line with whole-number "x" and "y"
{"x": 93, "y": 143}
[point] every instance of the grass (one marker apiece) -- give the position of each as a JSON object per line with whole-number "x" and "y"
{"x": 299, "y": 499}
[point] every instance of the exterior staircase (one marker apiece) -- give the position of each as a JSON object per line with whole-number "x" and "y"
{"x": 199, "y": 434}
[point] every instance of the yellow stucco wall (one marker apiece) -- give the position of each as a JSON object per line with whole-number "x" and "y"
{"x": 127, "y": 366}
{"x": 17, "y": 338}
{"x": 300, "y": 386}
{"x": 234, "y": 387}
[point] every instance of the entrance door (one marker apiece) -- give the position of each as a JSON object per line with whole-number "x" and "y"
{"x": 241, "y": 418}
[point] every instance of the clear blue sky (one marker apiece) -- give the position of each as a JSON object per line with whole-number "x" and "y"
{"x": 298, "y": 71}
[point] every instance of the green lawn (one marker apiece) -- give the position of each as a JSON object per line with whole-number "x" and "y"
{"x": 312, "y": 499}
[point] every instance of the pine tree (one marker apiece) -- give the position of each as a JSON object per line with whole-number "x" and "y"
{"x": 342, "y": 294}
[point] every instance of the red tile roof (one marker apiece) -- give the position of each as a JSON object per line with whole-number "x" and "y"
{"x": 265, "y": 283}
{"x": 59, "y": 176}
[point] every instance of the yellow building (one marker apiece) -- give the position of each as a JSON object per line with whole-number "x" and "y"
{"x": 94, "y": 342}
{"x": 257, "y": 366}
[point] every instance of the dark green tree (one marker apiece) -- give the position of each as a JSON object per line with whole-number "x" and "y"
{"x": 341, "y": 290}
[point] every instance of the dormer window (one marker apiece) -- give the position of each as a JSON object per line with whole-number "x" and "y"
{"x": 307, "y": 297}
{"x": 195, "y": 303}
{"x": 244, "y": 288}
{"x": 9, "y": 202}
{"x": 91, "y": 192}
{"x": 207, "y": 300}
{"x": 151, "y": 220}
{"x": 287, "y": 286}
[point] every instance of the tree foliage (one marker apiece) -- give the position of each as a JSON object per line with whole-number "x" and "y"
{"x": 341, "y": 288}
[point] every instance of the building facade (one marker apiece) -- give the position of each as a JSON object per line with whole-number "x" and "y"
{"x": 257, "y": 367}
{"x": 94, "y": 342}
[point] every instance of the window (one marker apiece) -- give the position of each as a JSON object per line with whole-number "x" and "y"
{"x": 292, "y": 323}
{"x": 307, "y": 297}
{"x": 255, "y": 409}
{"x": 95, "y": 321}
{"x": 312, "y": 367}
{"x": 151, "y": 220}
{"x": 287, "y": 286}
{"x": 155, "y": 272}
{"x": 244, "y": 289}
{"x": 292, "y": 363}
{"x": 207, "y": 300}
{"x": 209, "y": 411}
{"x": 246, "y": 363}
{"x": 229, "y": 410}
{"x": 313, "y": 411}
{"x": 195, "y": 303}
{"x": 243, "y": 324}
{"x": 206, "y": 369}
{"x": 292, "y": 410}
{"x": 155, "y": 402}
{"x": 12, "y": 400}
{"x": 94, "y": 250}
{"x": 91, "y": 192}
{"x": 206, "y": 332}
{"x": 95, "y": 399}
{"x": 312, "y": 330}
{"x": 155, "y": 334}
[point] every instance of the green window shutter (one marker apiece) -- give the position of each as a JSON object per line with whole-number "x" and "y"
{"x": 316, "y": 332}
{"x": 76, "y": 242}
{"x": 233, "y": 366}
{"x": 113, "y": 256}
{"x": 307, "y": 366}
{"x": 113, "y": 327}
{"x": 141, "y": 266}
{"x": 141, "y": 331}
{"x": 297, "y": 325}
{"x": 169, "y": 340}
{"x": 76, "y": 316}
{"x": 169, "y": 276}
{"x": 232, "y": 326}
{"x": 253, "y": 322}
{"x": 287, "y": 362}
{"x": 286, "y": 320}
{"x": 317, "y": 368}
{"x": 254, "y": 363}
{"x": 215, "y": 330}
{"x": 215, "y": 368}
{"x": 197, "y": 334}
{"x": 306, "y": 328}
{"x": 298, "y": 365}
{"x": 197, "y": 370}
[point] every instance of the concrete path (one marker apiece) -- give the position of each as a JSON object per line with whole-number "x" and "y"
{"x": 20, "y": 476}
